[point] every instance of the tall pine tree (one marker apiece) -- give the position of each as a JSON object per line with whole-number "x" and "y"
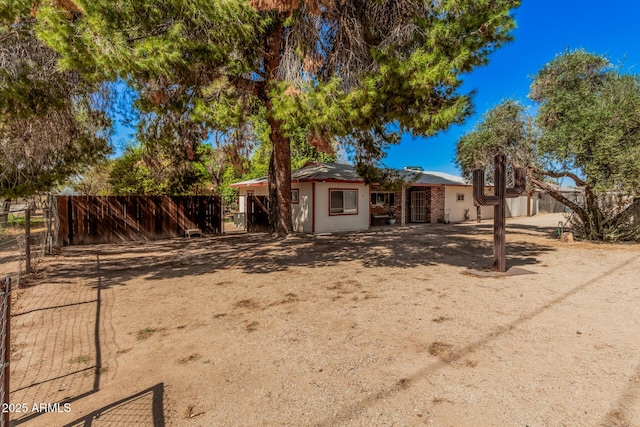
{"x": 352, "y": 69}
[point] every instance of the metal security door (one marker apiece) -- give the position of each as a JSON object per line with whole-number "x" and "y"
{"x": 418, "y": 206}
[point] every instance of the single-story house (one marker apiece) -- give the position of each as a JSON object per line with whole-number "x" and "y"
{"x": 330, "y": 197}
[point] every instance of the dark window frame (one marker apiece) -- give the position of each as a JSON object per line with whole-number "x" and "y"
{"x": 343, "y": 191}
{"x": 388, "y": 198}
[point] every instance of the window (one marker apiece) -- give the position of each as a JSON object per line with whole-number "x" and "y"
{"x": 383, "y": 199}
{"x": 460, "y": 197}
{"x": 295, "y": 196}
{"x": 343, "y": 202}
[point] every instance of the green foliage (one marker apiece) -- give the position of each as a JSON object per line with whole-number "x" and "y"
{"x": 229, "y": 195}
{"x": 93, "y": 180}
{"x": 589, "y": 120}
{"x": 141, "y": 40}
{"x": 52, "y": 123}
{"x": 409, "y": 84}
{"x": 130, "y": 176}
{"x": 503, "y": 130}
{"x": 587, "y": 129}
{"x": 168, "y": 54}
{"x": 301, "y": 153}
{"x": 351, "y": 71}
{"x": 138, "y": 172}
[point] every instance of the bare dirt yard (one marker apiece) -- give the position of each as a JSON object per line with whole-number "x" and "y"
{"x": 379, "y": 328}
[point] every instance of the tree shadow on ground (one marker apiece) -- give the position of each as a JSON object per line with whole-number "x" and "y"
{"x": 458, "y": 246}
{"x": 511, "y": 228}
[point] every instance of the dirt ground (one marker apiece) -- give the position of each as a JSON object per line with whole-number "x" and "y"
{"x": 379, "y": 328}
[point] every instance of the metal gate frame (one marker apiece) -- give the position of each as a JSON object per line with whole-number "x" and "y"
{"x": 418, "y": 206}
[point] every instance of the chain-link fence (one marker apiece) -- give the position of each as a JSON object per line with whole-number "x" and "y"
{"x": 27, "y": 233}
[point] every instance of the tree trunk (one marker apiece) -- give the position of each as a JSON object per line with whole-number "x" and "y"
{"x": 274, "y": 213}
{"x": 590, "y": 214}
{"x": 280, "y": 161}
{"x": 556, "y": 195}
{"x": 593, "y": 223}
{"x": 280, "y": 182}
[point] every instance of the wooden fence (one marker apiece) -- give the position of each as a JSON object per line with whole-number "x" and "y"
{"x": 93, "y": 219}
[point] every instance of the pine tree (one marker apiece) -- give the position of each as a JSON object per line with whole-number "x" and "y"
{"x": 352, "y": 69}
{"x": 52, "y": 123}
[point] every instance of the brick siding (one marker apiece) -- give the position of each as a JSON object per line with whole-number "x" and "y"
{"x": 437, "y": 204}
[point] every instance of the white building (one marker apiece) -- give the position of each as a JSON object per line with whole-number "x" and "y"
{"x": 330, "y": 197}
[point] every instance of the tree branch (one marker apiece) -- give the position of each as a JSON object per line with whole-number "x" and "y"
{"x": 559, "y": 197}
{"x": 249, "y": 85}
{"x": 552, "y": 174}
{"x": 634, "y": 207}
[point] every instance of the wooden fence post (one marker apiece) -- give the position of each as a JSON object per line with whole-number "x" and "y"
{"x": 4, "y": 212}
{"x": 27, "y": 240}
{"x": 5, "y": 289}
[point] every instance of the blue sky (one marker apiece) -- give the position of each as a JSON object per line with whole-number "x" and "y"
{"x": 545, "y": 28}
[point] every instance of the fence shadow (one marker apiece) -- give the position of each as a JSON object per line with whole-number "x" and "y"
{"x": 57, "y": 357}
{"x": 143, "y": 408}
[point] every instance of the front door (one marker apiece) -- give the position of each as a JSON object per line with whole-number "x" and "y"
{"x": 418, "y": 206}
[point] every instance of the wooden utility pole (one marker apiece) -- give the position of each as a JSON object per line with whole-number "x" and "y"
{"x": 498, "y": 201}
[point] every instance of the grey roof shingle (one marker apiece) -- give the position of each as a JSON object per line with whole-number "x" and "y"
{"x": 315, "y": 171}
{"x": 431, "y": 178}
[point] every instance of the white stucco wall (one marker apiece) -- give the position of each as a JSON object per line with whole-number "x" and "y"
{"x": 302, "y": 217}
{"x": 326, "y": 223}
{"x": 515, "y": 207}
{"x": 301, "y": 212}
{"x": 457, "y": 208}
